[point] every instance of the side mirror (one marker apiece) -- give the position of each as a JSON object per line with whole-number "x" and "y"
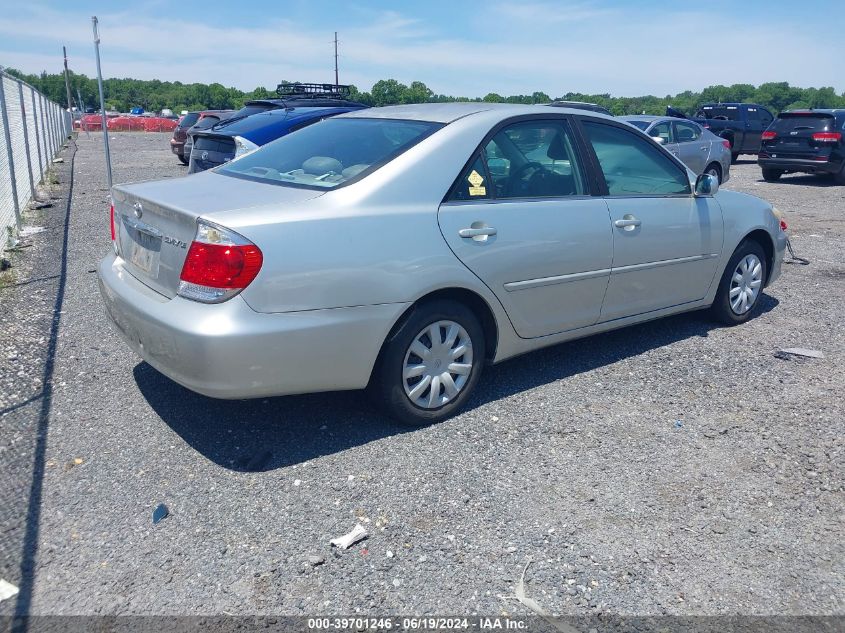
{"x": 706, "y": 185}
{"x": 659, "y": 140}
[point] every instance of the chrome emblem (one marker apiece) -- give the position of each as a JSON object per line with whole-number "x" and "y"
{"x": 139, "y": 210}
{"x": 204, "y": 156}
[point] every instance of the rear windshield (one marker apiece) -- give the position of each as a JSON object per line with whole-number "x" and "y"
{"x": 189, "y": 119}
{"x": 329, "y": 153}
{"x": 729, "y": 113}
{"x": 640, "y": 124}
{"x": 811, "y": 121}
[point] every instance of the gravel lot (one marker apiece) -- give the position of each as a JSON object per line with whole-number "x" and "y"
{"x": 670, "y": 468}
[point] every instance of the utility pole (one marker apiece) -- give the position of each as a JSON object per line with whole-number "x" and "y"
{"x": 336, "y": 81}
{"x": 102, "y": 100}
{"x": 67, "y": 82}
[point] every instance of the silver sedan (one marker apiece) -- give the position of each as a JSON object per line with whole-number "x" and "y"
{"x": 401, "y": 249}
{"x": 699, "y": 149}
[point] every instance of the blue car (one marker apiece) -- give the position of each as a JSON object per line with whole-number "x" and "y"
{"x": 264, "y": 120}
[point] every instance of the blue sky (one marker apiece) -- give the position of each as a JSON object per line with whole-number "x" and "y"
{"x": 457, "y": 48}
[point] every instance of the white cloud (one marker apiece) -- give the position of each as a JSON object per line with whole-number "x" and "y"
{"x": 578, "y": 46}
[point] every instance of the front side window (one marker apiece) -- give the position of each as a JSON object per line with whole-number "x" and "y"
{"x": 686, "y": 132}
{"x": 632, "y": 166}
{"x": 529, "y": 159}
{"x": 331, "y": 152}
{"x": 663, "y": 130}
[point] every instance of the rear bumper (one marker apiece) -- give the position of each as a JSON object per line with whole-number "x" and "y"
{"x": 177, "y": 147}
{"x": 228, "y": 350}
{"x": 801, "y": 165}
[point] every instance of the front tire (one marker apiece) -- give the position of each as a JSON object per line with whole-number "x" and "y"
{"x": 772, "y": 175}
{"x": 714, "y": 169}
{"x": 741, "y": 285}
{"x": 430, "y": 365}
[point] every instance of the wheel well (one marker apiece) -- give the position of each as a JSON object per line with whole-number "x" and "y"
{"x": 470, "y": 299}
{"x": 765, "y": 241}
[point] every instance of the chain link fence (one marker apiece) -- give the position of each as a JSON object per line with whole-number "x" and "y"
{"x": 34, "y": 129}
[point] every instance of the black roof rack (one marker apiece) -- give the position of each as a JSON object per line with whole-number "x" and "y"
{"x": 306, "y": 91}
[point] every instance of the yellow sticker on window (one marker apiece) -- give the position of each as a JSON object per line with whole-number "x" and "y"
{"x": 475, "y": 179}
{"x": 478, "y": 191}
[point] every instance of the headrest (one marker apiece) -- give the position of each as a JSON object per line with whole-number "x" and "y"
{"x": 557, "y": 150}
{"x": 319, "y": 165}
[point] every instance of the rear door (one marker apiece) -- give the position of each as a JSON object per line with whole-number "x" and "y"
{"x": 794, "y": 136}
{"x": 521, "y": 218}
{"x": 692, "y": 149}
{"x": 666, "y": 242}
{"x": 757, "y": 120}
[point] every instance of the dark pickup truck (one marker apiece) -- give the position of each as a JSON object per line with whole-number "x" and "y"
{"x": 741, "y": 124}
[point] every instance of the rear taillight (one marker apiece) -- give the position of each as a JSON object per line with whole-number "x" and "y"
{"x": 769, "y": 135}
{"x": 726, "y": 143}
{"x": 827, "y": 137}
{"x": 783, "y": 226}
{"x": 220, "y": 263}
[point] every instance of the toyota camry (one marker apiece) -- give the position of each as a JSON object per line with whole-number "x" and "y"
{"x": 402, "y": 249}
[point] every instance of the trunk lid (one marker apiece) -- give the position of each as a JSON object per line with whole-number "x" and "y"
{"x": 795, "y": 135}
{"x": 156, "y": 221}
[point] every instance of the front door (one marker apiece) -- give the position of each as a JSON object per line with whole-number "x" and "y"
{"x": 692, "y": 149}
{"x": 520, "y": 217}
{"x": 666, "y": 242}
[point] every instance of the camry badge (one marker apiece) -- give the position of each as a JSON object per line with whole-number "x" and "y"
{"x": 139, "y": 210}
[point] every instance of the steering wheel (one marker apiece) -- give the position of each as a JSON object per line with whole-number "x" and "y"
{"x": 516, "y": 178}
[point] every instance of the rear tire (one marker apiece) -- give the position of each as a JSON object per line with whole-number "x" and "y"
{"x": 714, "y": 169}
{"x": 745, "y": 274}
{"x": 734, "y": 157}
{"x": 772, "y": 175}
{"x": 839, "y": 178}
{"x": 399, "y": 372}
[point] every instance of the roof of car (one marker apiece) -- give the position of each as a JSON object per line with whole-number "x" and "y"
{"x": 449, "y": 112}
{"x": 643, "y": 117}
{"x": 812, "y": 110}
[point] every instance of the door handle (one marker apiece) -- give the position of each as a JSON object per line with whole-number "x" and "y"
{"x": 487, "y": 230}
{"x": 704, "y": 148}
{"x": 629, "y": 223}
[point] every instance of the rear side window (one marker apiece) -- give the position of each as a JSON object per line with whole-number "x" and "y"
{"x": 727, "y": 113}
{"x": 632, "y": 166}
{"x": 189, "y": 119}
{"x": 329, "y": 153}
{"x": 206, "y": 122}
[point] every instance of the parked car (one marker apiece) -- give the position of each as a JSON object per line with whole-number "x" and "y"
{"x": 699, "y": 149}
{"x": 741, "y": 124}
{"x": 180, "y": 133}
{"x": 580, "y": 105}
{"x": 807, "y": 141}
{"x": 403, "y": 248}
{"x": 260, "y": 122}
{"x": 204, "y": 123}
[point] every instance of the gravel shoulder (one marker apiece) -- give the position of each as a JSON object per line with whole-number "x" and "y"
{"x": 674, "y": 467}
